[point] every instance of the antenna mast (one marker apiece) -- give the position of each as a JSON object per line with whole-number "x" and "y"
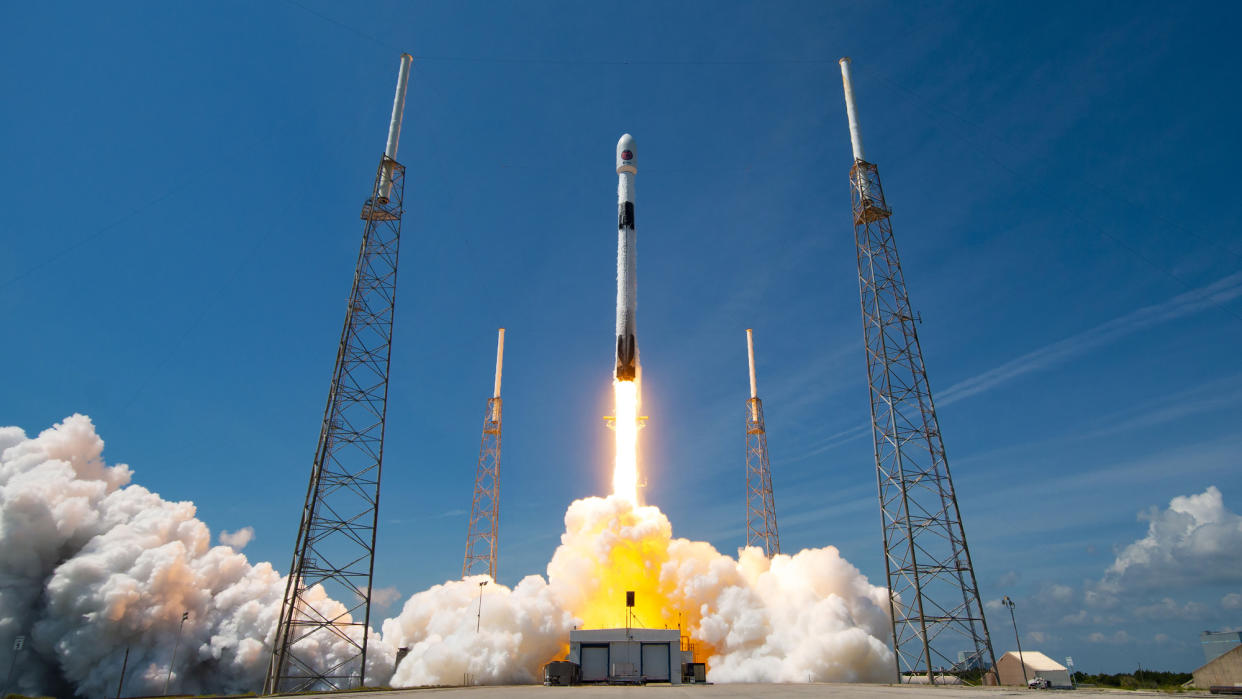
{"x": 760, "y": 505}
{"x": 481, "y": 536}
{"x": 933, "y": 596}
{"x": 335, "y": 546}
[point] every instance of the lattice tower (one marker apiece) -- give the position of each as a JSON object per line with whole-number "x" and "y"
{"x": 761, "y": 528}
{"x": 482, "y": 534}
{"x": 336, "y": 537}
{"x": 933, "y": 596}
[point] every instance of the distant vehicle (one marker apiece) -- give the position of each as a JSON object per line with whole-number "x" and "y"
{"x": 1038, "y": 682}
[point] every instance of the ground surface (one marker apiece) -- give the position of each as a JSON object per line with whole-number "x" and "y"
{"x": 761, "y": 691}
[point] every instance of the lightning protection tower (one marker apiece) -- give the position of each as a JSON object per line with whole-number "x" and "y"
{"x": 760, "y": 505}
{"x": 336, "y": 538}
{"x": 933, "y": 596}
{"x": 481, "y": 536}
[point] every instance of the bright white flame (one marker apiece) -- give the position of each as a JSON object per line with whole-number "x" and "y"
{"x": 625, "y": 468}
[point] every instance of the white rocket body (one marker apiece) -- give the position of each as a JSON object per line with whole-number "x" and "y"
{"x": 627, "y": 278}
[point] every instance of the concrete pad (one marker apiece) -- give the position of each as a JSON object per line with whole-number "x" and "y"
{"x": 758, "y": 691}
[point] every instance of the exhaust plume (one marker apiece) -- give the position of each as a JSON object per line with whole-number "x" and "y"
{"x": 807, "y": 617}
{"x": 92, "y": 564}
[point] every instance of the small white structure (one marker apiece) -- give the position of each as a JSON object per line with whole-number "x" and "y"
{"x": 1037, "y": 665}
{"x": 627, "y": 656}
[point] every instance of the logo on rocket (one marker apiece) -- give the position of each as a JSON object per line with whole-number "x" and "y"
{"x": 627, "y": 280}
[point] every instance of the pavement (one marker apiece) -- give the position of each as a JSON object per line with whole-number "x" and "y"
{"x": 756, "y": 691}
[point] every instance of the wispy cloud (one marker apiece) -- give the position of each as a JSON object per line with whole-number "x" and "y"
{"x": 830, "y": 442}
{"x": 1193, "y": 301}
{"x": 1206, "y": 397}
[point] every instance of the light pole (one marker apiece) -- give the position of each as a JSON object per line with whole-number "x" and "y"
{"x": 121, "y": 682}
{"x": 19, "y": 644}
{"x": 1021, "y": 660}
{"x": 478, "y": 623}
{"x": 184, "y": 616}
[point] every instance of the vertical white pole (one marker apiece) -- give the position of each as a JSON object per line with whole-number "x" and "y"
{"x": 394, "y": 125}
{"x": 750, "y": 350}
{"x": 754, "y": 393}
{"x": 500, "y": 358}
{"x": 851, "y": 110}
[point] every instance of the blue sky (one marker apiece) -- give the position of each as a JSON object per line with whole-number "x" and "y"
{"x": 178, "y": 222}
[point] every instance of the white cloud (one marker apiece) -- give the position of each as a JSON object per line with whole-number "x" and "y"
{"x": 1039, "y": 637}
{"x": 1078, "y": 617}
{"x": 1008, "y": 578}
{"x": 238, "y": 539}
{"x": 1232, "y": 600}
{"x": 1195, "y": 539}
{"x": 1119, "y": 637}
{"x": 1057, "y": 594}
{"x": 1169, "y": 609}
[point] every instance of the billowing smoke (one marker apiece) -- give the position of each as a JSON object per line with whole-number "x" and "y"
{"x": 494, "y": 635}
{"x": 91, "y": 564}
{"x": 807, "y": 617}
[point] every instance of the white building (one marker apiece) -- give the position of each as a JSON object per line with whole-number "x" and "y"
{"x": 1037, "y": 665}
{"x": 620, "y": 656}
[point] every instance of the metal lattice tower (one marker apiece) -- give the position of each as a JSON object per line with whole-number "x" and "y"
{"x": 482, "y": 534}
{"x": 760, "y": 505}
{"x": 933, "y": 596}
{"x": 336, "y": 538}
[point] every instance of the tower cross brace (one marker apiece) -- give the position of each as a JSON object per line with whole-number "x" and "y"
{"x": 934, "y": 599}
{"x": 336, "y": 537}
{"x": 761, "y": 527}
{"x": 482, "y": 535}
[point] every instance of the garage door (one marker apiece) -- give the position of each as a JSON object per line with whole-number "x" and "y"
{"x": 594, "y": 663}
{"x": 655, "y": 662}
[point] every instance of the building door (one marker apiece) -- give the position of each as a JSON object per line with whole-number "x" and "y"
{"x": 655, "y": 662}
{"x": 594, "y": 663}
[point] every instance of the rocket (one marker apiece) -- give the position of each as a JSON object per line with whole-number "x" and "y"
{"x": 627, "y": 280}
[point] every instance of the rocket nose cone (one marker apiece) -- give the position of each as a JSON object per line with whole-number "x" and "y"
{"x": 627, "y": 154}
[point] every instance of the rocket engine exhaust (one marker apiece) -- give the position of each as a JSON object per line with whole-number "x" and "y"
{"x": 627, "y": 281}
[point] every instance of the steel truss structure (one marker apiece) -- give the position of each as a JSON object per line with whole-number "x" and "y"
{"x": 336, "y": 540}
{"x": 760, "y": 505}
{"x": 481, "y": 536}
{"x": 933, "y": 595}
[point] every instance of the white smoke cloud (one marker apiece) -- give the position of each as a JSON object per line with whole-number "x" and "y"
{"x": 237, "y": 540}
{"x": 384, "y": 596}
{"x": 518, "y": 631}
{"x": 807, "y": 616}
{"x": 93, "y": 565}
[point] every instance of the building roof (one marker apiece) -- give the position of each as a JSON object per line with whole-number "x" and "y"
{"x": 1036, "y": 660}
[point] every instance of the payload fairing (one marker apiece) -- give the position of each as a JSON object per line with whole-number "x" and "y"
{"x": 627, "y": 282}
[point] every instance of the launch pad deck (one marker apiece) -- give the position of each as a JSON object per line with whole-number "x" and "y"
{"x": 760, "y": 691}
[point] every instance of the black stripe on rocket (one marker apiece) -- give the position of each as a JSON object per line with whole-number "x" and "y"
{"x": 627, "y": 344}
{"x": 625, "y": 215}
